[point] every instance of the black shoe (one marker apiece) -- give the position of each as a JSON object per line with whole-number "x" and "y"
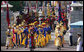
{"x": 62, "y": 45}
{"x": 6, "y": 47}
{"x": 25, "y": 47}
{"x": 57, "y": 48}
{"x": 70, "y": 45}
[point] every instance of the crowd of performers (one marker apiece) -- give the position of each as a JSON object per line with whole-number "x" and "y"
{"x": 29, "y": 32}
{"x": 34, "y": 35}
{"x": 31, "y": 35}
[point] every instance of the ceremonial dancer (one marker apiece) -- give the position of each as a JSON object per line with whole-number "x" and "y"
{"x": 58, "y": 37}
{"x": 8, "y": 40}
{"x": 26, "y": 36}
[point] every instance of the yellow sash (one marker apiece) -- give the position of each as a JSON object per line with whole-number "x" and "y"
{"x": 23, "y": 42}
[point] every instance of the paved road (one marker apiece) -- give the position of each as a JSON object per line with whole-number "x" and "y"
{"x": 50, "y": 47}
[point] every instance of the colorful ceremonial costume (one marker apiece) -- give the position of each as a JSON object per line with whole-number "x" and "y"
{"x": 17, "y": 35}
{"x": 58, "y": 37}
{"x": 26, "y": 35}
{"x": 31, "y": 41}
{"x": 8, "y": 40}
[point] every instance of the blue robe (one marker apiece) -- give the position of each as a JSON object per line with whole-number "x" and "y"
{"x": 45, "y": 29}
{"x": 26, "y": 34}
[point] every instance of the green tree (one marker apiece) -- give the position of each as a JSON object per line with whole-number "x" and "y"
{"x": 17, "y": 5}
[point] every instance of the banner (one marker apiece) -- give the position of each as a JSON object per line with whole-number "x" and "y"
{"x": 7, "y": 18}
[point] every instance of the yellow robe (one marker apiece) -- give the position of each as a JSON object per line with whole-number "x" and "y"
{"x": 62, "y": 29}
{"x": 11, "y": 43}
{"x": 49, "y": 36}
{"x": 57, "y": 39}
{"x": 23, "y": 42}
{"x": 18, "y": 32}
{"x": 43, "y": 40}
{"x": 35, "y": 35}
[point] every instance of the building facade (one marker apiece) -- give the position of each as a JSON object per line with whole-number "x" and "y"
{"x": 76, "y": 15}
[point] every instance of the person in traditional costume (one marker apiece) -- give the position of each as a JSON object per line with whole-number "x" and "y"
{"x": 31, "y": 41}
{"x": 61, "y": 32}
{"x": 17, "y": 34}
{"x": 44, "y": 29}
{"x": 14, "y": 35}
{"x": 36, "y": 32}
{"x": 26, "y": 36}
{"x": 22, "y": 34}
{"x": 42, "y": 39}
{"x": 40, "y": 36}
{"x": 12, "y": 38}
{"x": 58, "y": 37}
{"x": 8, "y": 37}
{"x": 49, "y": 28}
{"x": 49, "y": 31}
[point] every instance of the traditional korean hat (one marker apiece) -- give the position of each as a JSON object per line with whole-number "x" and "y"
{"x": 23, "y": 20}
{"x": 17, "y": 26}
{"x": 61, "y": 23}
{"x": 40, "y": 26}
{"x": 9, "y": 26}
{"x": 43, "y": 23}
{"x": 14, "y": 25}
{"x": 35, "y": 22}
{"x": 32, "y": 24}
{"x": 57, "y": 26}
{"x": 20, "y": 25}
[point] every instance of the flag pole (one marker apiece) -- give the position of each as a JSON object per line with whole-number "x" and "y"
{"x": 59, "y": 9}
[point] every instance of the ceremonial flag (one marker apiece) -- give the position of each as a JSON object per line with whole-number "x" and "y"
{"x": 59, "y": 9}
{"x": 36, "y": 8}
{"x": 48, "y": 9}
{"x": 28, "y": 11}
{"x": 43, "y": 9}
{"x": 55, "y": 3}
{"x": 7, "y": 18}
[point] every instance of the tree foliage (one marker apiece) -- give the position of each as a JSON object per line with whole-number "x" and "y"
{"x": 17, "y": 5}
